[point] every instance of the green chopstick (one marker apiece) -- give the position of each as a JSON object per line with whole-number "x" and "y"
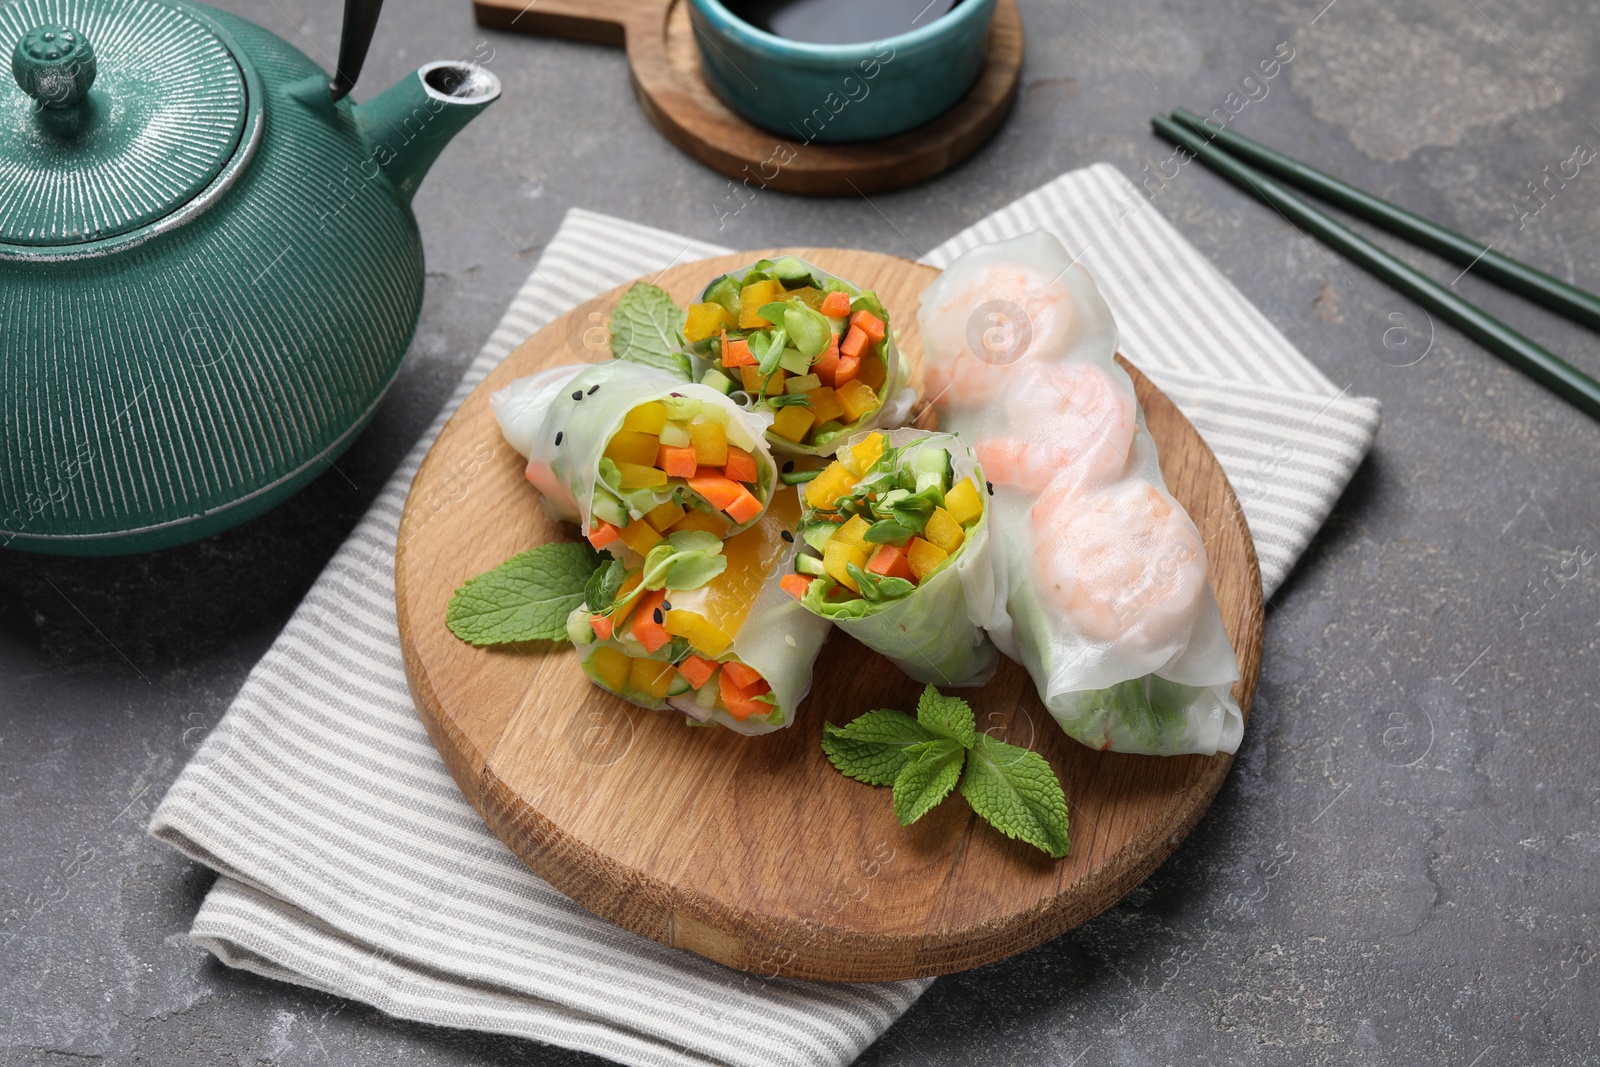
{"x": 1538, "y": 363}
{"x": 1548, "y": 290}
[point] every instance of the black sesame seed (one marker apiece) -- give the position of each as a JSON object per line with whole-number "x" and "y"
{"x": 559, "y": 435}
{"x": 990, "y": 487}
{"x": 666, "y": 605}
{"x": 788, "y": 468}
{"x": 593, "y": 389}
{"x": 577, "y": 394}
{"x": 659, "y": 617}
{"x": 789, "y": 537}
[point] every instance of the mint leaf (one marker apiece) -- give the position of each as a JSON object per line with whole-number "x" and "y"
{"x": 647, "y": 328}
{"x": 872, "y": 747}
{"x": 526, "y": 598}
{"x": 949, "y": 717}
{"x": 1017, "y": 793}
{"x": 601, "y": 588}
{"x": 930, "y": 772}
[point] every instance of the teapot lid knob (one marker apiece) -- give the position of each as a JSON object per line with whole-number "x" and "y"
{"x": 55, "y": 65}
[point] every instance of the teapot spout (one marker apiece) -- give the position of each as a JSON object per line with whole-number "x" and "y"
{"x": 408, "y": 125}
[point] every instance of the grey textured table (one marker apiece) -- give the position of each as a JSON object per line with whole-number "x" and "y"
{"x": 1405, "y": 864}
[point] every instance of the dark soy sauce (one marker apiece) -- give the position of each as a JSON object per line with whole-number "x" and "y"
{"x": 839, "y": 21}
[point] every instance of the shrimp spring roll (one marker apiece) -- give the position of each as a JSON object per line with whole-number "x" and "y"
{"x": 633, "y": 454}
{"x": 811, "y": 350}
{"x": 1108, "y": 603}
{"x": 705, "y": 627}
{"x": 897, "y": 554}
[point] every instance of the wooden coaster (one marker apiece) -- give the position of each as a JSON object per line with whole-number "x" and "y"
{"x": 665, "y": 61}
{"x": 755, "y": 852}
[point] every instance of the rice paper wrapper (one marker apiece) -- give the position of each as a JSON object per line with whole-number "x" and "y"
{"x": 584, "y": 407}
{"x": 937, "y": 633}
{"x": 1107, "y": 603}
{"x": 898, "y": 394}
{"x": 776, "y": 636}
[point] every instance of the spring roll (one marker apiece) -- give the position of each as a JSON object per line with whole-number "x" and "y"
{"x": 811, "y": 351}
{"x": 897, "y": 553}
{"x": 633, "y": 454}
{"x": 1107, "y": 601}
{"x": 729, "y": 647}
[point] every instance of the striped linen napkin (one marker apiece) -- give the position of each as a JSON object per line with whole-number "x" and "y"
{"x": 350, "y": 862}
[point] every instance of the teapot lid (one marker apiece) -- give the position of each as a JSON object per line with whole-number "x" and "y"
{"x": 122, "y": 112}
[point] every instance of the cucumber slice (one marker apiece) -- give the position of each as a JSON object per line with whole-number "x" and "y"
{"x": 674, "y": 435}
{"x": 679, "y": 686}
{"x": 724, "y": 291}
{"x": 807, "y": 565}
{"x": 579, "y": 632}
{"x": 794, "y": 361}
{"x": 802, "y": 383}
{"x": 817, "y": 533}
{"x": 715, "y": 379}
{"x": 933, "y": 468}
{"x": 608, "y": 508}
{"x": 682, "y": 408}
{"x": 791, "y": 272}
{"x": 706, "y": 695}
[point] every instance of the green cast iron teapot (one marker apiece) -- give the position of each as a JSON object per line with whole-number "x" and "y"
{"x": 209, "y": 268}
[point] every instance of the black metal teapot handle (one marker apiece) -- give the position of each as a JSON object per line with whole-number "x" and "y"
{"x": 360, "y": 22}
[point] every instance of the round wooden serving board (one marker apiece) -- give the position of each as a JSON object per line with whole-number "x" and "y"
{"x": 755, "y": 852}
{"x": 665, "y": 61}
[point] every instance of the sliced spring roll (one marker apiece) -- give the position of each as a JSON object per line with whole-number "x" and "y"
{"x": 897, "y": 554}
{"x": 730, "y": 647}
{"x": 633, "y": 454}
{"x": 1107, "y": 600}
{"x": 809, "y": 349}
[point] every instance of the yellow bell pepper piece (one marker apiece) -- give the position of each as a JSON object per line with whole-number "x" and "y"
{"x": 665, "y": 515}
{"x": 704, "y": 320}
{"x": 612, "y": 666}
{"x": 792, "y": 422}
{"x": 646, "y": 418}
{"x": 651, "y": 676}
{"x": 710, "y": 440}
{"x": 924, "y": 557}
{"x": 874, "y": 372}
{"x": 964, "y": 502}
{"x": 640, "y": 536}
{"x": 857, "y": 399}
{"x": 825, "y": 406}
{"x": 944, "y": 531}
{"x": 823, "y": 491}
{"x": 853, "y": 532}
{"x": 836, "y": 555}
{"x": 633, "y": 446}
{"x": 752, "y": 298}
{"x": 753, "y": 382}
{"x": 868, "y": 452}
{"x": 700, "y": 520}
{"x": 693, "y": 627}
{"x": 638, "y": 476}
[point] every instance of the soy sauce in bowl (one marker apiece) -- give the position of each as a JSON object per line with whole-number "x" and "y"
{"x": 839, "y": 21}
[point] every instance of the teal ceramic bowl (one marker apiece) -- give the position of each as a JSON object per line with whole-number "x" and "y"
{"x": 841, "y": 93}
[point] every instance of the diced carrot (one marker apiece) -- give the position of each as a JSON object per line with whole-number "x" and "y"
{"x": 828, "y": 362}
{"x": 745, "y": 506}
{"x": 836, "y": 305}
{"x": 698, "y": 670}
{"x": 647, "y": 628}
{"x": 890, "y": 562}
{"x": 795, "y": 585}
{"x": 742, "y": 676}
{"x": 719, "y": 490}
{"x": 854, "y": 342}
{"x": 741, "y": 702}
{"x": 736, "y": 353}
{"x": 848, "y": 370}
{"x": 741, "y": 465}
{"x": 604, "y": 534}
{"x": 602, "y": 625}
{"x": 677, "y": 462}
{"x": 870, "y": 325}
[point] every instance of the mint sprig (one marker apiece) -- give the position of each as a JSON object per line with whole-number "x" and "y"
{"x": 924, "y": 759}
{"x": 526, "y": 598}
{"x": 647, "y": 328}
